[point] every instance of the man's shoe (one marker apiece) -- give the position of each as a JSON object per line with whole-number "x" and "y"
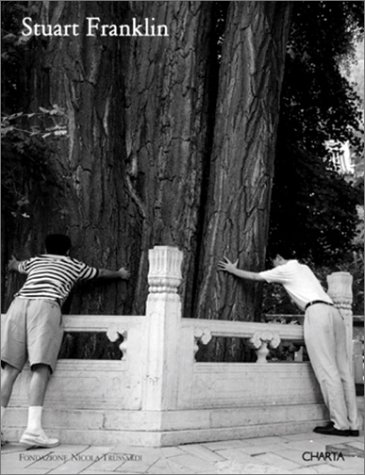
{"x": 329, "y": 429}
{"x": 354, "y": 433}
{"x": 36, "y": 440}
{"x": 319, "y": 429}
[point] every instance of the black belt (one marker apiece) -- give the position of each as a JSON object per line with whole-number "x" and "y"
{"x": 317, "y": 301}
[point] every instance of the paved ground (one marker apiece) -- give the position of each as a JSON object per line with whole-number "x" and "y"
{"x": 295, "y": 454}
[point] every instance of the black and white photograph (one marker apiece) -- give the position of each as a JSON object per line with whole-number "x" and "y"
{"x": 182, "y": 237}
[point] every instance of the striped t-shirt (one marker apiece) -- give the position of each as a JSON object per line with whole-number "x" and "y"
{"x": 52, "y": 276}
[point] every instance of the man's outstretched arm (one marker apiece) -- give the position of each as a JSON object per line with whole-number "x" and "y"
{"x": 13, "y": 265}
{"x": 122, "y": 273}
{"x": 231, "y": 267}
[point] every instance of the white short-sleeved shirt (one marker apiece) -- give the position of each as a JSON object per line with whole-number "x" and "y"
{"x": 299, "y": 281}
{"x": 52, "y": 276}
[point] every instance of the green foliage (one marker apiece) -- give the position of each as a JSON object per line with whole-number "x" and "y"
{"x": 313, "y": 206}
{"x": 318, "y": 103}
{"x": 23, "y": 162}
{"x": 355, "y": 73}
{"x": 27, "y": 137}
{"x": 9, "y": 123}
{"x": 314, "y": 212}
{"x": 26, "y": 144}
{"x": 14, "y": 60}
{"x": 314, "y": 209}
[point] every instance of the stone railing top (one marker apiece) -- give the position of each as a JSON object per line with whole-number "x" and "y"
{"x": 242, "y": 329}
{"x": 289, "y": 317}
{"x": 100, "y": 323}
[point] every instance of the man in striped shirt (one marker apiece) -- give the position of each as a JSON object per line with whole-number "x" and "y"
{"x": 33, "y": 326}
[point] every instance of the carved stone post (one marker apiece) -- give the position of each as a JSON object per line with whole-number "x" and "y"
{"x": 163, "y": 312}
{"x": 260, "y": 340}
{"x": 340, "y": 290}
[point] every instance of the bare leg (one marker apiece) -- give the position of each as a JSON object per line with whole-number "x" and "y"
{"x": 8, "y": 377}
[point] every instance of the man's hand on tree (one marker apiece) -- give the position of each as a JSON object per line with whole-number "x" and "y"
{"x": 124, "y": 273}
{"x": 13, "y": 264}
{"x": 227, "y": 266}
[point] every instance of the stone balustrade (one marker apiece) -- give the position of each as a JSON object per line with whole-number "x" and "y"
{"x": 158, "y": 394}
{"x": 261, "y": 336}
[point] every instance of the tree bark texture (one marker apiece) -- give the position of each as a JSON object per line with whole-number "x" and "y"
{"x": 167, "y": 130}
{"x": 237, "y": 209}
{"x": 85, "y": 193}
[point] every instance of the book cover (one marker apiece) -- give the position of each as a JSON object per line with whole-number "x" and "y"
{"x": 172, "y": 139}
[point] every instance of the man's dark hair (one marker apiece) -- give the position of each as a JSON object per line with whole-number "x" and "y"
{"x": 57, "y": 244}
{"x": 282, "y": 250}
{"x": 277, "y": 249}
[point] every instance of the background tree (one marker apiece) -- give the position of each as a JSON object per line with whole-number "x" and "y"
{"x": 313, "y": 206}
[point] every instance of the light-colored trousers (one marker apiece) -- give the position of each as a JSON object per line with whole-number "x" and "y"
{"x": 325, "y": 340}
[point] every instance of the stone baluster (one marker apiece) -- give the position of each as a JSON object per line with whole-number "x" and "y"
{"x": 340, "y": 291}
{"x": 203, "y": 336}
{"x": 163, "y": 310}
{"x": 113, "y": 334}
{"x": 260, "y": 340}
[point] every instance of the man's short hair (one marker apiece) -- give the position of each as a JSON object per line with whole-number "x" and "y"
{"x": 57, "y": 244}
{"x": 278, "y": 249}
{"x": 283, "y": 250}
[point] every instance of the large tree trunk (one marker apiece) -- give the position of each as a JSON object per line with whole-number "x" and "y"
{"x": 129, "y": 174}
{"x": 167, "y": 130}
{"x": 84, "y": 191}
{"x": 237, "y": 209}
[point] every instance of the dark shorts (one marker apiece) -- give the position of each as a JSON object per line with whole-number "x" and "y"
{"x": 33, "y": 331}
